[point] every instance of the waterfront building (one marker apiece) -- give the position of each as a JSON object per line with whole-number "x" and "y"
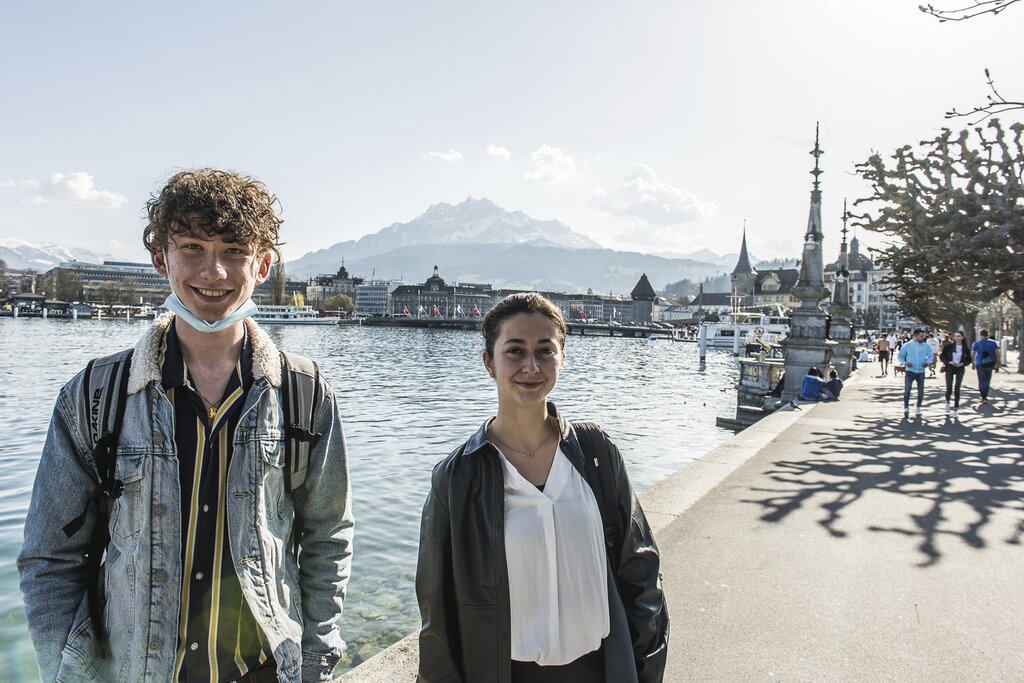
{"x": 752, "y": 288}
{"x": 263, "y": 293}
{"x": 643, "y": 298}
{"x": 114, "y": 281}
{"x": 437, "y": 299}
{"x": 373, "y": 298}
{"x": 323, "y": 287}
{"x": 870, "y": 297}
{"x": 807, "y": 345}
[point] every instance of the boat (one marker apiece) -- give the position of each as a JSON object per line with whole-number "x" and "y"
{"x": 291, "y": 315}
{"x": 752, "y": 327}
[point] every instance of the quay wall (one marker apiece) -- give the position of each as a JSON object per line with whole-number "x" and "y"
{"x": 663, "y": 503}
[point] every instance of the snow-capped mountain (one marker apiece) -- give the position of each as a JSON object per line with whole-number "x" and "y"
{"x": 474, "y": 221}
{"x": 20, "y": 255}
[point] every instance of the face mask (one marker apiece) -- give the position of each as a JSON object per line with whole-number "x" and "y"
{"x": 174, "y": 305}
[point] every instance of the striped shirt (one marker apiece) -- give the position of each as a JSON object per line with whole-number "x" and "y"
{"x": 218, "y": 638}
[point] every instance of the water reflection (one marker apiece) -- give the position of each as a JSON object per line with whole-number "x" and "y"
{"x": 408, "y": 397}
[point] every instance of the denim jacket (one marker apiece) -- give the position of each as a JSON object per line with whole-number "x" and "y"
{"x": 296, "y": 603}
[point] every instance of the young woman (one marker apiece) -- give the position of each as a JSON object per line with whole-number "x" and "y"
{"x": 536, "y": 562}
{"x": 955, "y": 357}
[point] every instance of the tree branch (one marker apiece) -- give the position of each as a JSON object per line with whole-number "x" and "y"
{"x": 964, "y": 13}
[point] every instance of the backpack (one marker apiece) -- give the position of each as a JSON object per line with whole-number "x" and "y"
{"x": 599, "y": 471}
{"x": 106, "y": 394}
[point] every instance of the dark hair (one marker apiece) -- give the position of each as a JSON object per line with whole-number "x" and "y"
{"x": 814, "y": 372}
{"x": 984, "y": 332}
{"x": 521, "y": 302}
{"x": 206, "y": 202}
{"x": 917, "y": 332}
{"x": 833, "y": 374}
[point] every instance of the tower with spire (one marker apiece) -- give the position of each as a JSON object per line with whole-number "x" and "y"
{"x": 743, "y": 278}
{"x": 841, "y": 329}
{"x": 807, "y": 344}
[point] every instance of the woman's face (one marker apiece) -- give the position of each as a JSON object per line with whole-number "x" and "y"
{"x": 527, "y": 359}
{"x": 958, "y": 338}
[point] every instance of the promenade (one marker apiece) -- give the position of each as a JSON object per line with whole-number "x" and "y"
{"x": 841, "y": 542}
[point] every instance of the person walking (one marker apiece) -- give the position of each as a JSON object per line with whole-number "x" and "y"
{"x": 955, "y": 357}
{"x": 883, "y": 355}
{"x": 985, "y": 359}
{"x": 935, "y": 345}
{"x": 536, "y": 562}
{"x": 226, "y": 551}
{"x": 915, "y": 357}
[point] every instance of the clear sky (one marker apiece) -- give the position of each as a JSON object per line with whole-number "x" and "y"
{"x": 651, "y": 125}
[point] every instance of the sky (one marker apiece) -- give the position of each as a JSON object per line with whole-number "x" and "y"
{"x": 655, "y": 126}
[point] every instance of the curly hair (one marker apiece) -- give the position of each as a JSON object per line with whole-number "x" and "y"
{"x": 205, "y": 202}
{"x": 520, "y": 302}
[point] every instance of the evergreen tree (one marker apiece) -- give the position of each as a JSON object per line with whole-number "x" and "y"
{"x": 277, "y": 282}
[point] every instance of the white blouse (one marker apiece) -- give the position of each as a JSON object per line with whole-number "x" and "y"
{"x": 557, "y": 566}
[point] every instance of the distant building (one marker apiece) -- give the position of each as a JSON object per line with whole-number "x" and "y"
{"x": 869, "y": 296}
{"x": 263, "y": 293}
{"x": 753, "y": 289}
{"x": 131, "y": 283}
{"x": 373, "y": 298}
{"x": 323, "y": 287}
{"x": 436, "y": 298}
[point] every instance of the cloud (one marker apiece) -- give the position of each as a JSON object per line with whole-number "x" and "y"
{"x": 642, "y": 196}
{"x": 76, "y": 187}
{"x": 500, "y": 152}
{"x": 451, "y": 156}
{"x": 551, "y": 165}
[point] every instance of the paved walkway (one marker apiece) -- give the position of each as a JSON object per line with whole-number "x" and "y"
{"x": 859, "y": 546}
{"x": 843, "y": 543}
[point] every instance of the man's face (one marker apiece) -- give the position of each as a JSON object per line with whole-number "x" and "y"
{"x": 212, "y": 277}
{"x": 919, "y": 336}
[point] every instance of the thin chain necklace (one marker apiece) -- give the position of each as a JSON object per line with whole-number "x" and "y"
{"x": 213, "y": 407}
{"x": 528, "y": 454}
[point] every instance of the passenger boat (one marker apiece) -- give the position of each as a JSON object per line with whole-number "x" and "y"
{"x": 291, "y": 315}
{"x": 750, "y": 326}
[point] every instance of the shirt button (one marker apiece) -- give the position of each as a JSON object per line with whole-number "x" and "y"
{"x": 154, "y": 645}
{"x": 206, "y": 508}
{"x": 158, "y": 439}
{"x": 154, "y": 393}
{"x": 194, "y": 647}
{"x": 159, "y": 510}
{"x": 199, "y": 576}
{"x": 159, "y": 576}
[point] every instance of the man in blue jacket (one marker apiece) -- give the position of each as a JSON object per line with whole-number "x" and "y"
{"x": 985, "y": 353}
{"x": 916, "y": 357}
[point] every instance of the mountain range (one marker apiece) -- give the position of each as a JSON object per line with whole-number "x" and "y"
{"x": 478, "y": 241}
{"x": 21, "y": 255}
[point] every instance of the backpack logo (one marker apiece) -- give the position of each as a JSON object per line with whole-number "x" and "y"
{"x": 94, "y": 410}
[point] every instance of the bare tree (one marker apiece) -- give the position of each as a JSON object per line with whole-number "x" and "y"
{"x": 277, "y": 284}
{"x": 978, "y": 8}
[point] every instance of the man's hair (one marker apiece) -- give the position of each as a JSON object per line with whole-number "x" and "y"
{"x": 917, "y": 332}
{"x": 206, "y": 202}
{"x": 832, "y": 374}
{"x": 984, "y": 332}
{"x": 521, "y": 302}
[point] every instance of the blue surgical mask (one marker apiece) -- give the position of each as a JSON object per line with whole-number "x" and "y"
{"x": 174, "y": 305}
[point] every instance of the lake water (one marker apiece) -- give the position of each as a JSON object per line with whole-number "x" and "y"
{"x": 408, "y": 397}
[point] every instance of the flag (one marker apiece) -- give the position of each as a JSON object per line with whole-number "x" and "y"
{"x": 421, "y": 311}
{"x": 405, "y": 310}
{"x": 437, "y": 313}
{"x": 458, "y": 311}
{"x": 476, "y": 311}
{"x": 615, "y": 313}
{"x": 581, "y": 313}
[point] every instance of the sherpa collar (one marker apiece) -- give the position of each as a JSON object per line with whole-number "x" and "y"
{"x": 266, "y": 361}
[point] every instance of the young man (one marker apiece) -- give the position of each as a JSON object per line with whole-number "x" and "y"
{"x": 199, "y": 578}
{"x": 883, "y": 355}
{"x": 985, "y": 354}
{"x": 916, "y": 357}
{"x": 935, "y": 345}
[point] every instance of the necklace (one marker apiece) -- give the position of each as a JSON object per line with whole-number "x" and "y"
{"x": 528, "y": 454}
{"x": 212, "y": 407}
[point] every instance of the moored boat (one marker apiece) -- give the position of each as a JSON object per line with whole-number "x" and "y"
{"x": 291, "y": 315}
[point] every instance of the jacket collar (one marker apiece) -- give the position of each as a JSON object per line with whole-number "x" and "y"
{"x": 266, "y": 360}
{"x": 480, "y": 440}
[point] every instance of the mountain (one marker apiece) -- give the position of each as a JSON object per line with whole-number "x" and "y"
{"x": 474, "y": 221}
{"x": 21, "y": 255}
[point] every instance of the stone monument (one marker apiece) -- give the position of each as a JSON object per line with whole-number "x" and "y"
{"x": 841, "y": 312}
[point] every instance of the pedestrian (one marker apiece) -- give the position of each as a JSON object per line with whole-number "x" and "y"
{"x": 915, "y": 357}
{"x": 935, "y": 345}
{"x": 985, "y": 359}
{"x": 956, "y": 356}
{"x": 536, "y": 563}
{"x": 207, "y": 496}
{"x": 883, "y": 355}
{"x": 834, "y": 384}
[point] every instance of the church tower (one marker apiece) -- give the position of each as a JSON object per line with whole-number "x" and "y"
{"x": 743, "y": 277}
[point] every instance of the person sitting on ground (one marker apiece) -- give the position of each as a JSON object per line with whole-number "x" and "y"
{"x": 812, "y": 388}
{"x": 863, "y": 357}
{"x": 834, "y": 384}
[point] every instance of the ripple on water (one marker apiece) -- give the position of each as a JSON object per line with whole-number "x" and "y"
{"x": 407, "y": 398}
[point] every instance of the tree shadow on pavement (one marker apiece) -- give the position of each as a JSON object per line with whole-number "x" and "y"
{"x": 941, "y": 464}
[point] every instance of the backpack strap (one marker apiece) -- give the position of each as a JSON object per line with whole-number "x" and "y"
{"x": 599, "y": 467}
{"x": 300, "y": 395}
{"x": 106, "y": 396}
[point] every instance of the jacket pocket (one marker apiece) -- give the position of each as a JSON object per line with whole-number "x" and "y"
{"x": 79, "y": 661}
{"x": 128, "y": 515}
{"x": 272, "y": 461}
